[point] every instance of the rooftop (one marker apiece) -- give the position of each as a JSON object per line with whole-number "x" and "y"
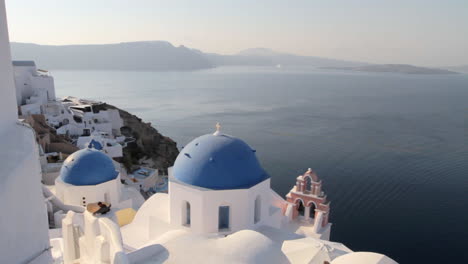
{"x": 88, "y": 167}
{"x": 219, "y": 162}
{"x": 23, "y": 63}
{"x": 263, "y": 245}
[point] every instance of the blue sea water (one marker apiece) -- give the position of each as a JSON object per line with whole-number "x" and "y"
{"x": 392, "y": 149}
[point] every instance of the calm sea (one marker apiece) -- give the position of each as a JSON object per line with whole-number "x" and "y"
{"x": 392, "y": 149}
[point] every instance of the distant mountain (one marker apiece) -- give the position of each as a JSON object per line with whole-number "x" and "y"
{"x": 395, "y": 68}
{"x": 267, "y": 57}
{"x": 163, "y": 56}
{"x": 156, "y": 56}
{"x": 143, "y": 56}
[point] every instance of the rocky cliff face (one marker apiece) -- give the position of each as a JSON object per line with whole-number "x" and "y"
{"x": 47, "y": 137}
{"x": 149, "y": 148}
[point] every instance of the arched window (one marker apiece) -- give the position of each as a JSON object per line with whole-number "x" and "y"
{"x": 300, "y": 207}
{"x": 257, "y": 209}
{"x": 312, "y": 210}
{"x": 186, "y": 220}
{"x": 223, "y": 218}
{"x": 308, "y": 183}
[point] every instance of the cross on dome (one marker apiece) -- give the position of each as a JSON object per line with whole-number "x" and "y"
{"x": 218, "y": 129}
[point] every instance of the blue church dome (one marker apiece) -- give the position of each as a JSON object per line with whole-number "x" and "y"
{"x": 88, "y": 167}
{"x": 219, "y": 162}
{"x": 95, "y": 144}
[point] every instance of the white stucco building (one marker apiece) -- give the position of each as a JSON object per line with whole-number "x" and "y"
{"x": 88, "y": 176}
{"x": 218, "y": 186}
{"x": 35, "y": 94}
{"x": 23, "y": 223}
{"x": 103, "y": 142}
{"x": 34, "y": 87}
{"x": 219, "y": 209}
{"x": 75, "y": 117}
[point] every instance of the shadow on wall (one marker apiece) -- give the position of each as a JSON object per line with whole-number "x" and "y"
{"x": 147, "y": 253}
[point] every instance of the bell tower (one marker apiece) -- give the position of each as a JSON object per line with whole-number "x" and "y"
{"x": 308, "y": 203}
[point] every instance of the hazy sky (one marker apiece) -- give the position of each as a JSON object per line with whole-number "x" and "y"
{"x": 422, "y": 32}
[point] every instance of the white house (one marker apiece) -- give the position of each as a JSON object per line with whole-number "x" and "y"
{"x": 33, "y": 87}
{"x": 77, "y": 118}
{"x": 35, "y": 94}
{"x": 103, "y": 142}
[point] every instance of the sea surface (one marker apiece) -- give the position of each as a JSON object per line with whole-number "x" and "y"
{"x": 392, "y": 149}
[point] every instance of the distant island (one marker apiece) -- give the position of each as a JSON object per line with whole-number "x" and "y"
{"x": 393, "y": 68}
{"x": 461, "y": 68}
{"x": 267, "y": 57}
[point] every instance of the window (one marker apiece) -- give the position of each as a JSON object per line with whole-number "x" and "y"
{"x": 186, "y": 214}
{"x": 86, "y": 132}
{"x": 223, "y": 218}
{"x": 257, "y": 209}
{"x": 77, "y": 119}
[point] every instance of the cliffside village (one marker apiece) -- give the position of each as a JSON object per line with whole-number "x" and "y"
{"x": 64, "y": 126}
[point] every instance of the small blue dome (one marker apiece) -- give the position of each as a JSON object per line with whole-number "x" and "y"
{"x": 88, "y": 167}
{"x": 219, "y": 162}
{"x": 95, "y": 144}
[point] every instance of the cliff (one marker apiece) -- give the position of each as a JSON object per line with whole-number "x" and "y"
{"x": 47, "y": 137}
{"x": 150, "y": 148}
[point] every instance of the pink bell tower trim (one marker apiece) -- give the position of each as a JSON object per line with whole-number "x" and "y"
{"x": 308, "y": 200}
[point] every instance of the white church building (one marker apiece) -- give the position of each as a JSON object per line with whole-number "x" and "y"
{"x": 89, "y": 176}
{"x": 219, "y": 209}
{"x": 218, "y": 186}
